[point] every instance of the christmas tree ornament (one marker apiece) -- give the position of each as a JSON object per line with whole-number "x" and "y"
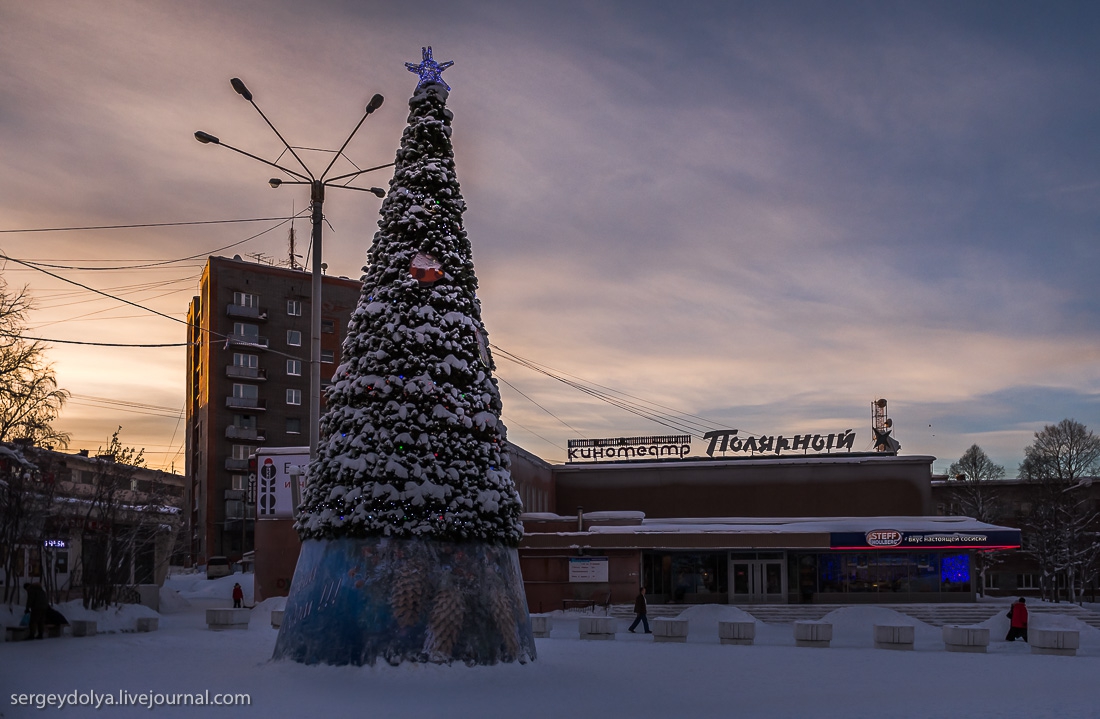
{"x": 425, "y": 269}
{"x": 410, "y": 520}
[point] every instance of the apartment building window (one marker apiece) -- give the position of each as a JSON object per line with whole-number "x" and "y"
{"x": 294, "y": 367}
{"x": 241, "y": 359}
{"x": 241, "y": 451}
{"x": 1027, "y": 581}
{"x": 249, "y": 332}
{"x": 244, "y": 421}
{"x": 293, "y": 425}
{"x": 294, "y": 338}
{"x": 294, "y": 308}
{"x": 294, "y": 396}
{"x": 328, "y": 356}
{"x": 243, "y": 299}
{"x": 246, "y": 391}
{"x": 240, "y": 481}
{"x": 328, "y": 326}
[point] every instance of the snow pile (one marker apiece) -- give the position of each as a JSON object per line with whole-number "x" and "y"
{"x": 172, "y": 601}
{"x": 703, "y": 619}
{"x": 197, "y": 586}
{"x": 854, "y": 626}
{"x": 108, "y": 620}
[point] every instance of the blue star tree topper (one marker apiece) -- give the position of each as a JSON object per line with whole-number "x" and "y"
{"x": 429, "y": 70}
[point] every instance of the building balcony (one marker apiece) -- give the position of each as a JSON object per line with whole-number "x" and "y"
{"x": 239, "y": 495}
{"x": 252, "y": 435}
{"x": 252, "y": 313}
{"x": 257, "y": 373}
{"x": 236, "y": 465}
{"x": 246, "y": 340}
{"x": 246, "y": 403}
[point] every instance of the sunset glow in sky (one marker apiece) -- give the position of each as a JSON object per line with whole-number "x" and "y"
{"x": 765, "y": 214}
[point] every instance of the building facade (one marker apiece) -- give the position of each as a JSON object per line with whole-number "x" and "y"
{"x": 78, "y": 515}
{"x": 248, "y": 386}
{"x": 841, "y": 528}
{"x": 1013, "y": 503}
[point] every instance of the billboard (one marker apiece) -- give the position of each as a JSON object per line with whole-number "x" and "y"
{"x": 277, "y": 469}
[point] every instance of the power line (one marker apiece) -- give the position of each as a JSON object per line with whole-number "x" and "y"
{"x": 95, "y": 344}
{"x": 148, "y": 265}
{"x": 149, "y": 224}
{"x": 140, "y": 307}
{"x": 521, "y": 394}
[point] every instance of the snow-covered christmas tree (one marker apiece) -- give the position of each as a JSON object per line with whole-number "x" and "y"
{"x": 410, "y": 518}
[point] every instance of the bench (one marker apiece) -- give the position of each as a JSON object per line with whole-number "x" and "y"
{"x": 965, "y": 639}
{"x": 17, "y": 634}
{"x": 736, "y": 632}
{"x": 670, "y": 630}
{"x": 83, "y": 627}
{"x": 596, "y": 628}
{"x": 894, "y": 636}
{"x": 1061, "y": 642}
{"x": 277, "y": 618}
{"x": 813, "y": 634}
{"x": 148, "y": 624}
{"x": 219, "y": 619}
{"x": 541, "y": 625}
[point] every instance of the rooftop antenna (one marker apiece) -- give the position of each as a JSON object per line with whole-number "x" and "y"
{"x": 293, "y": 261}
{"x": 882, "y": 426}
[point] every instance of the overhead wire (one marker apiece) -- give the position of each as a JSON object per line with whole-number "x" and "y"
{"x": 681, "y": 422}
{"x": 148, "y": 265}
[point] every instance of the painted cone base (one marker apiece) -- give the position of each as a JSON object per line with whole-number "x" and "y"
{"x": 355, "y": 601}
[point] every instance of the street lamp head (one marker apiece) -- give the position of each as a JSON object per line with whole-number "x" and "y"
{"x": 378, "y": 191}
{"x": 375, "y": 103}
{"x": 274, "y": 182}
{"x": 241, "y": 89}
{"x": 206, "y": 138}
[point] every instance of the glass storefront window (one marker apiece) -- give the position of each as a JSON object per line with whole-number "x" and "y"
{"x": 695, "y": 577}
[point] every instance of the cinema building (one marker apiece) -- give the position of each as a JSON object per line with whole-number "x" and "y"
{"x": 774, "y": 526}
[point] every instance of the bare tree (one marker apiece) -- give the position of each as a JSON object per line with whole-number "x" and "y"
{"x": 28, "y": 514}
{"x": 978, "y": 498}
{"x": 112, "y": 525}
{"x": 30, "y": 400}
{"x": 1061, "y": 530}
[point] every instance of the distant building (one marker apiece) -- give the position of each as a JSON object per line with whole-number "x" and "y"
{"x": 1011, "y": 502}
{"x": 72, "y": 507}
{"x": 248, "y": 386}
{"x": 839, "y": 528}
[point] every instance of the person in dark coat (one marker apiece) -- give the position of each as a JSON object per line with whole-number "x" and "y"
{"x": 640, "y": 611}
{"x": 37, "y": 605}
{"x": 238, "y": 595}
{"x": 1018, "y": 621}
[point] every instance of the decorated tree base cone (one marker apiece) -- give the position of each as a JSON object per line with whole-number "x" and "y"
{"x": 360, "y": 601}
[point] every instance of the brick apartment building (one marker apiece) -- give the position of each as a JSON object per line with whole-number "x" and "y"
{"x": 248, "y": 386}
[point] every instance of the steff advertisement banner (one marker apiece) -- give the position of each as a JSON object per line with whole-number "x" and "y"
{"x": 898, "y": 539}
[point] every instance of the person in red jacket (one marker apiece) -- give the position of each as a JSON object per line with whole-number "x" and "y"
{"x": 1018, "y": 624}
{"x": 238, "y": 595}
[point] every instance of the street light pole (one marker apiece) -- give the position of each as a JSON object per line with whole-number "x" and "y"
{"x": 317, "y": 200}
{"x": 317, "y": 185}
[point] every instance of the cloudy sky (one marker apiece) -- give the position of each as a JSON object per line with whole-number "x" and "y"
{"x": 767, "y": 214}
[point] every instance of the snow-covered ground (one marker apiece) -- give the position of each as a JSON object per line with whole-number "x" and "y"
{"x": 629, "y": 677}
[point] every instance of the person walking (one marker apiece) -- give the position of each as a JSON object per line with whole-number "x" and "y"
{"x": 640, "y": 611}
{"x": 1017, "y": 613}
{"x": 37, "y": 606}
{"x": 238, "y": 595}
